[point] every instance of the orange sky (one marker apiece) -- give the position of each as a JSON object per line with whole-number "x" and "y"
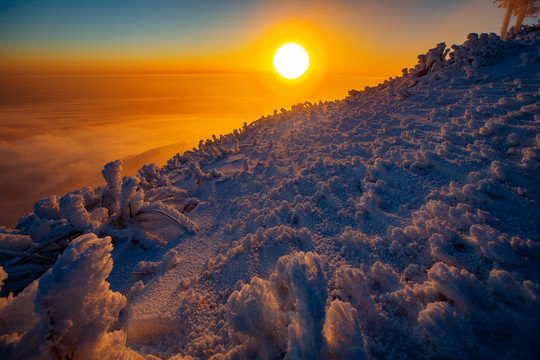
{"x": 330, "y": 51}
{"x": 357, "y": 37}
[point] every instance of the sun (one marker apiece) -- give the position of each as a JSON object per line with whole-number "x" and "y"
{"x": 291, "y": 60}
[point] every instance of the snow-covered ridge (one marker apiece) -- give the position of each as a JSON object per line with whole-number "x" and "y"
{"x": 402, "y": 221}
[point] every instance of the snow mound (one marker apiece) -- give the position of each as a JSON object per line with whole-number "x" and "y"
{"x": 400, "y": 222}
{"x": 62, "y": 318}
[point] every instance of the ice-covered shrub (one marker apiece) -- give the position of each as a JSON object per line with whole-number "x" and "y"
{"x": 151, "y": 176}
{"x": 254, "y": 314}
{"x": 17, "y": 315}
{"x": 67, "y": 314}
{"x": 478, "y": 50}
{"x": 92, "y": 197}
{"x": 111, "y": 193}
{"x": 125, "y": 199}
{"x": 342, "y": 332}
{"x": 300, "y": 277}
{"x": 432, "y": 61}
{"x": 47, "y": 208}
{"x": 24, "y": 260}
{"x": 131, "y": 198}
{"x": 447, "y": 330}
{"x": 439, "y": 63}
{"x": 471, "y": 318}
{"x": 526, "y": 34}
{"x": 73, "y": 301}
{"x": 14, "y": 242}
{"x": 285, "y": 314}
{"x": 72, "y": 208}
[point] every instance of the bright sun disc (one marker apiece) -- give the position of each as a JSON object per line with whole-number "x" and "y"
{"x": 291, "y": 61}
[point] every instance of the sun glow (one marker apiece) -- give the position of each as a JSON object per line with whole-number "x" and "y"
{"x": 291, "y": 61}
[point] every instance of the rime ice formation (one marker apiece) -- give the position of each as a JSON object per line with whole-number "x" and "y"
{"x": 400, "y": 222}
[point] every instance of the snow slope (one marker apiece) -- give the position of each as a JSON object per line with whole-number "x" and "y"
{"x": 400, "y": 222}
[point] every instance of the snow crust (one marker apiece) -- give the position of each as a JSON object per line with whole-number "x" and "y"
{"x": 400, "y": 222}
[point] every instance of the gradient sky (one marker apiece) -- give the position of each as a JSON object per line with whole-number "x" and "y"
{"x": 158, "y": 36}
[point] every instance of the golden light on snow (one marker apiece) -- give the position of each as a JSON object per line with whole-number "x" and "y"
{"x": 291, "y": 60}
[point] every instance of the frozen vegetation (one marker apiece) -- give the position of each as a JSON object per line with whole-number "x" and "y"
{"x": 400, "y": 222}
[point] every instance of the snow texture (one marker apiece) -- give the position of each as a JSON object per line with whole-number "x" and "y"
{"x": 400, "y": 222}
